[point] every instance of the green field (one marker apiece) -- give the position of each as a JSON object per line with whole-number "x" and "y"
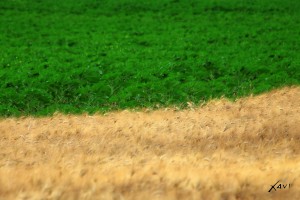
{"x": 77, "y": 56}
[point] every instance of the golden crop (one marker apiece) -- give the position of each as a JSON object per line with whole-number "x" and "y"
{"x": 223, "y": 150}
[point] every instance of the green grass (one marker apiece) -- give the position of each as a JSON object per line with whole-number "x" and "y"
{"x": 77, "y": 56}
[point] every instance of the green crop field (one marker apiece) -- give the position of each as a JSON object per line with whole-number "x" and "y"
{"x": 76, "y": 56}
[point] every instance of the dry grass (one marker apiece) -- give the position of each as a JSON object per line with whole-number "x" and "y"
{"x": 223, "y": 150}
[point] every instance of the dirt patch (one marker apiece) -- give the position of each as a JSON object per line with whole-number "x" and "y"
{"x": 223, "y": 150}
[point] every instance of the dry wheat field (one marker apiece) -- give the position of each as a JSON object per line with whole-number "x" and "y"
{"x": 223, "y": 150}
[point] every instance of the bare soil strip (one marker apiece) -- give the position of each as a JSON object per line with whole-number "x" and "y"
{"x": 223, "y": 150}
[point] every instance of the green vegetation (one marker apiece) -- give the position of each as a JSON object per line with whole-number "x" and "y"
{"x": 78, "y": 56}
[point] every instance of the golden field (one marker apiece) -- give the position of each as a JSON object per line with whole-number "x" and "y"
{"x": 223, "y": 150}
